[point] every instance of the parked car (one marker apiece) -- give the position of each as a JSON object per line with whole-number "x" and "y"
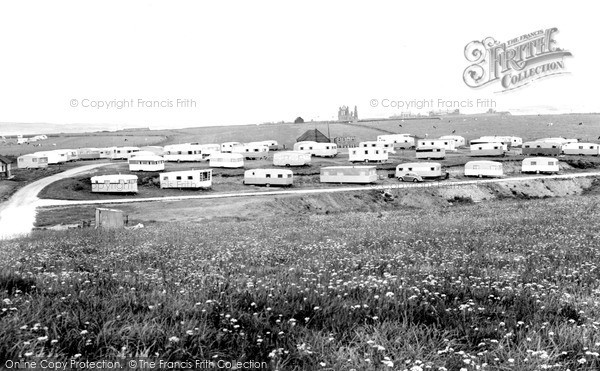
{"x": 411, "y": 177}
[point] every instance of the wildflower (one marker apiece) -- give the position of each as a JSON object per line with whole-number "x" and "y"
{"x": 174, "y": 339}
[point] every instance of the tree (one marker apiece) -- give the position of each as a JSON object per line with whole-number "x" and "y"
{"x": 299, "y": 120}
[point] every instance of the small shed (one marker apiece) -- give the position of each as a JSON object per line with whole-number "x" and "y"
{"x": 5, "y": 167}
{"x": 111, "y": 218}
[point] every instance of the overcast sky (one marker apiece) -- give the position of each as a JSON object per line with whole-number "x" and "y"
{"x": 245, "y": 62}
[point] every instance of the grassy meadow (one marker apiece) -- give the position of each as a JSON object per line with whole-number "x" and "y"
{"x": 511, "y": 285}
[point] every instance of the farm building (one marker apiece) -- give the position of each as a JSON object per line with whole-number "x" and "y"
{"x": 313, "y": 136}
{"x": 483, "y": 168}
{"x": 122, "y": 153}
{"x": 371, "y": 154}
{"x": 54, "y": 157}
{"x": 460, "y": 141}
{"x": 252, "y": 151}
{"x": 402, "y": 141}
{"x": 348, "y": 174}
{"x": 424, "y": 169}
{"x": 447, "y": 144}
{"x": 228, "y": 147}
{"x": 89, "y": 153}
{"x": 5, "y": 167}
{"x": 269, "y": 177}
{"x": 541, "y": 148}
{"x": 430, "y": 152}
{"x": 291, "y": 158}
{"x": 487, "y": 149}
{"x": 590, "y": 149}
{"x": 317, "y": 149}
{"x": 185, "y": 152}
{"x": 110, "y": 218}
{"x": 157, "y": 150}
{"x": 540, "y": 165}
{"x": 116, "y": 183}
{"x": 389, "y": 146}
{"x": 345, "y": 142}
{"x": 146, "y": 163}
{"x": 227, "y": 160}
{"x": 186, "y": 179}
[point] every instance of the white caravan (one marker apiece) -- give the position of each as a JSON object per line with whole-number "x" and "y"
{"x": 291, "y": 158}
{"x": 371, "y": 154}
{"x": 317, "y": 149}
{"x": 484, "y": 168}
{"x": 117, "y": 183}
{"x": 424, "y": 169}
{"x": 403, "y": 141}
{"x": 447, "y": 144}
{"x": 146, "y": 163}
{"x": 348, "y": 174}
{"x": 32, "y": 161}
{"x": 185, "y": 152}
{"x": 186, "y": 179}
{"x": 538, "y": 165}
{"x": 226, "y": 160}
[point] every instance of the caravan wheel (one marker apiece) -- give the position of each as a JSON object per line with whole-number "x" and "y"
{"x": 268, "y": 185}
{"x": 480, "y": 175}
{"x": 537, "y": 171}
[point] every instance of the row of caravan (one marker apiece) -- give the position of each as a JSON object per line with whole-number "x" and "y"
{"x": 44, "y": 158}
{"x": 194, "y": 179}
{"x": 127, "y": 183}
{"x": 433, "y": 170}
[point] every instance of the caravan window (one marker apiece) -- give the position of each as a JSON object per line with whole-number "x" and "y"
{"x": 280, "y": 175}
{"x": 533, "y": 163}
{"x": 289, "y": 175}
{"x": 353, "y": 152}
{"x": 410, "y": 169}
{"x": 377, "y": 152}
{"x": 178, "y": 177}
{"x": 165, "y": 178}
{"x": 366, "y": 152}
{"x": 433, "y": 168}
{"x": 581, "y": 147}
{"x": 268, "y": 175}
{"x": 190, "y": 177}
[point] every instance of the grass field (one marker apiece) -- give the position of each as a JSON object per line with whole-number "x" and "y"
{"x": 501, "y": 286}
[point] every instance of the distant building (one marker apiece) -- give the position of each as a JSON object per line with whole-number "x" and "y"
{"x": 313, "y": 136}
{"x": 344, "y": 114}
{"x": 345, "y": 142}
{"x": 5, "y": 167}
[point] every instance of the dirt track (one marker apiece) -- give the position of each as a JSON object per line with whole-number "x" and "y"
{"x": 17, "y": 215}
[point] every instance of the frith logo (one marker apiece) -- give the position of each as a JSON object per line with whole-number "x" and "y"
{"x": 514, "y": 63}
